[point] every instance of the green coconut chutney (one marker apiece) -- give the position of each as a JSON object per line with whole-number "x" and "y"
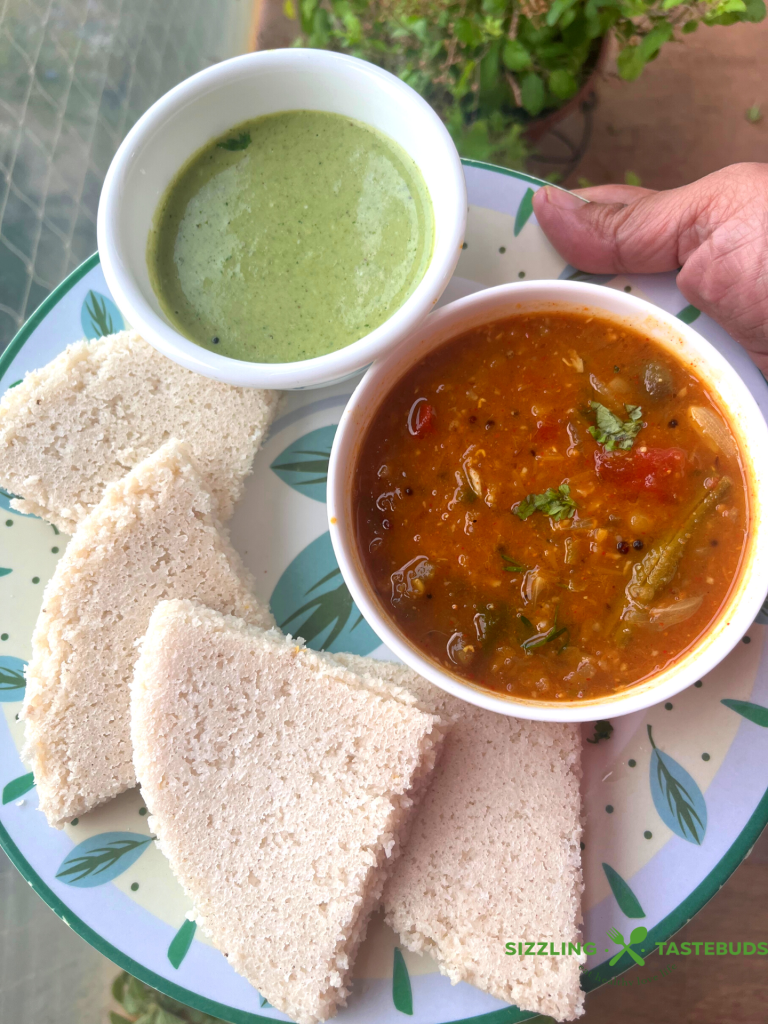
{"x": 291, "y": 236}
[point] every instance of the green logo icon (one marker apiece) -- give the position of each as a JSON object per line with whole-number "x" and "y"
{"x": 638, "y": 934}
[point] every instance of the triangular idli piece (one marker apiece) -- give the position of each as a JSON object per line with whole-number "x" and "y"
{"x": 151, "y": 537}
{"x": 494, "y": 853}
{"x": 279, "y": 786}
{"x": 101, "y": 407}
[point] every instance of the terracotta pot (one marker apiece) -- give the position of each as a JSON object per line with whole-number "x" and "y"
{"x": 539, "y": 126}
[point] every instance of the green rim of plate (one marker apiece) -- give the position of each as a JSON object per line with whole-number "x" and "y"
{"x": 591, "y": 980}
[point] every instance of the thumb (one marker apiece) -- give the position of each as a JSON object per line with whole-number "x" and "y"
{"x": 643, "y": 234}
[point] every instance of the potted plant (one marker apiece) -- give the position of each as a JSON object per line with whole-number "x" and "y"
{"x": 500, "y": 71}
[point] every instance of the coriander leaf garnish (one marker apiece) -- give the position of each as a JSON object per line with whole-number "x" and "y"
{"x": 539, "y": 639}
{"x": 558, "y": 504}
{"x": 241, "y": 141}
{"x": 611, "y": 432}
{"x": 512, "y": 564}
{"x": 543, "y": 638}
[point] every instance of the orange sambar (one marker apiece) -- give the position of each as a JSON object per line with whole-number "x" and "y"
{"x": 551, "y": 506}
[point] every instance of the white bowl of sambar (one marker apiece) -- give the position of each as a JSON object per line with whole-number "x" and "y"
{"x": 551, "y": 501}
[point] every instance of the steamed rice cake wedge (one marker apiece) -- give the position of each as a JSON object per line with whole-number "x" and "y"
{"x": 151, "y": 537}
{"x": 494, "y": 853}
{"x": 101, "y": 407}
{"x": 280, "y": 786}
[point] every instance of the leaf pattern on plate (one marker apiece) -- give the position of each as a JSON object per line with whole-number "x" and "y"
{"x": 753, "y": 712}
{"x": 5, "y": 504}
{"x": 402, "y": 996}
{"x": 101, "y": 858}
{"x": 18, "y": 787}
{"x": 570, "y": 273}
{"x": 99, "y": 316}
{"x": 311, "y": 600}
{"x": 688, "y": 314}
{"x": 524, "y": 211}
{"x": 304, "y": 464}
{"x": 676, "y": 797}
{"x": 629, "y": 904}
{"x": 12, "y": 681}
{"x": 181, "y": 942}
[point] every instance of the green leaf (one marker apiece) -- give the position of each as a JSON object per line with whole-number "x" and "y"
{"x": 166, "y": 1017}
{"x": 754, "y": 114}
{"x": 631, "y": 178}
{"x": 512, "y": 564}
{"x": 321, "y": 29}
{"x": 755, "y": 11}
{"x": 543, "y": 638}
{"x": 149, "y": 1016}
{"x": 352, "y": 25}
{"x": 752, "y": 712}
{"x": 290, "y": 11}
{"x": 611, "y": 432}
{"x": 626, "y": 899}
{"x": 18, "y": 787}
{"x": 515, "y": 56}
{"x": 558, "y": 8}
{"x": 603, "y": 731}
{"x": 524, "y": 211}
{"x": 660, "y": 34}
{"x": 468, "y": 32}
{"x": 558, "y": 504}
{"x": 562, "y": 84}
{"x": 402, "y": 996}
{"x": 181, "y": 942}
{"x": 729, "y": 7}
{"x": 136, "y": 996}
{"x": 688, "y": 314}
{"x": 241, "y": 141}
{"x": 118, "y": 986}
{"x": 464, "y": 83}
{"x": 690, "y": 26}
{"x": 116, "y": 1018}
{"x": 630, "y": 63}
{"x": 532, "y": 93}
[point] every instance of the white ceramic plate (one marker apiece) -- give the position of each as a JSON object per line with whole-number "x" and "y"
{"x": 666, "y": 821}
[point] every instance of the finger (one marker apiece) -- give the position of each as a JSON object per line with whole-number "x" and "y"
{"x": 613, "y": 193}
{"x": 651, "y": 234}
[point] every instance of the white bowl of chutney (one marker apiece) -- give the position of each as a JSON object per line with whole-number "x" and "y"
{"x": 274, "y": 96}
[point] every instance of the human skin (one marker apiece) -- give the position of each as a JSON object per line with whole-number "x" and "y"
{"x": 715, "y": 229}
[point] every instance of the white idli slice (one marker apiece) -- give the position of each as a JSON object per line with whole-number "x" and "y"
{"x": 279, "y": 786}
{"x": 101, "y": 407}
{"x": 151, "y": 537}
{"x": 494, "y": 853}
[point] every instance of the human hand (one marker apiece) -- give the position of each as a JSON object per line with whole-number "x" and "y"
{"x": 716, "y": 229}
